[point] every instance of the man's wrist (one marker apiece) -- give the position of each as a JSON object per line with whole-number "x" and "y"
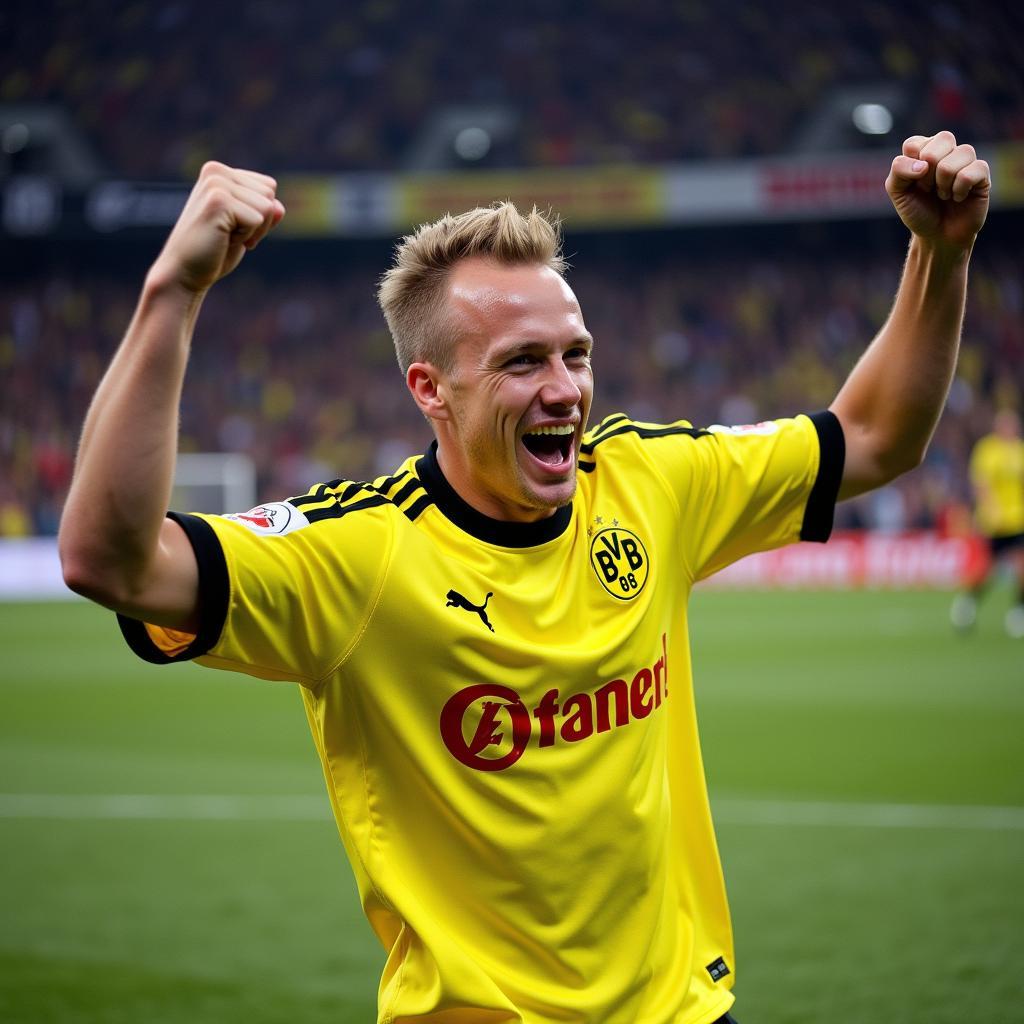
{"x": 940, "y": 255}
{"x": 162, "y": 286}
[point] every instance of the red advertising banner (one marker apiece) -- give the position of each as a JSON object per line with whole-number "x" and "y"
{"x": 853, "y": 184}
{"x": 870, "y": 560}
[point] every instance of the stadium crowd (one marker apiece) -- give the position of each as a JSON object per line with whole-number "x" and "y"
{"x": 160, "y": 87}
{"x": 300, "y": 373}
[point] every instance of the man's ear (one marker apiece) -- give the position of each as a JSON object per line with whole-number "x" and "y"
{"x": 428, "y": 386}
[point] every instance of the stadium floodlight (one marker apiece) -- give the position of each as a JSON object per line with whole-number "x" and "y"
{"x": 848, "y": 115}
{"x": 472, "y": 143}
{"x": 42, "y": 139}
{"x": 872, "y": 118}
{"x": 456, "y": 135}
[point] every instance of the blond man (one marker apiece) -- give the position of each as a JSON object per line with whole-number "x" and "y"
{"x": 491, "y": 642}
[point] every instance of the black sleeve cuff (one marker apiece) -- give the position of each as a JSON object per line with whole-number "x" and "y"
{"x": 821, "y": 504}
{"x": 213, "y": 597}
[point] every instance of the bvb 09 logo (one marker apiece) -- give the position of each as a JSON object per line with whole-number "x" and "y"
{"x": 620, "y": 560}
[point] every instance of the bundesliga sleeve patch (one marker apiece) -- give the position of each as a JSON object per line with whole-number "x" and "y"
{"x": 279, "y": 517}
{"x": 763, "y": 428}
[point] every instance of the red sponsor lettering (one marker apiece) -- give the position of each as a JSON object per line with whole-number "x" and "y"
{"x": 490, "y": 735}
{"x": 488, "y": 732}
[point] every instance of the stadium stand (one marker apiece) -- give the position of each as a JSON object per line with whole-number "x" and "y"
{"x": 292, "y": 362}
{"x": 160, "y": 87}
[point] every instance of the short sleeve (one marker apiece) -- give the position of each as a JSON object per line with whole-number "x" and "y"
{"x": 751, "y": 488}
{"x": 276, "y": 604}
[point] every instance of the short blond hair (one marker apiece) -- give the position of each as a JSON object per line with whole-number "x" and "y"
{"x": 411, "y": 293}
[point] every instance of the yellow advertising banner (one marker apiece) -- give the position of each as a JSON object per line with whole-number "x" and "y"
{"x": 309, "y": 202}
{"x": 605, "y": 197}
{"x": 618, "y": 197}
{"x": 1008, "y": 174}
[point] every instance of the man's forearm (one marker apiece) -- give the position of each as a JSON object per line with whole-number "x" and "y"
{"x": 892, "y": 400}
{"x": 116, "y": 547}
{"x": 125, "y": 465}
{"x": 897, "y": 390}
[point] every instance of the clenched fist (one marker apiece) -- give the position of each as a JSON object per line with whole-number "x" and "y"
{"x": 940, "y": 190}
{"x": 227, "y": 212}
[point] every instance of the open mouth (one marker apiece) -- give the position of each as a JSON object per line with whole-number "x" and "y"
{"x": 551, "y": 446}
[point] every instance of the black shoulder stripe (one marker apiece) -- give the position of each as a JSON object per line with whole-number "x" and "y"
{"x": 407, "y": 491}
{"x": 341, "y": 501}
{"x": 330, "y": 492}
{"x": 418, "y": 507}
{"x": 351, "y": 491}
{"x": 319, "y": 493}
{"x": 337, "y": 511}
{"x": 354, "y": 497}
{"x": 608, "y": 422}
{"x": 385, "y": 485}
{"x": 644, "y": 432}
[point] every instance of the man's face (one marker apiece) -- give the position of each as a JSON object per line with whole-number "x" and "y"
{"x": 519, "y": 394}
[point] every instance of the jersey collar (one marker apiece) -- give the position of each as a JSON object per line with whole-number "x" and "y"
{"x": 467, "y": 518}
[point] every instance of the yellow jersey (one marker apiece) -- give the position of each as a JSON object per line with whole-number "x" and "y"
{"x": 997, "y": 473}
{"x": 505, "y": 714}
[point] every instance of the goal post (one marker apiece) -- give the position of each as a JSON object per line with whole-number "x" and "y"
{"x": 214, "y": 482}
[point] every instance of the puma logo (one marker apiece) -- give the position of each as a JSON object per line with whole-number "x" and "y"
{"x": 456, "y": 600}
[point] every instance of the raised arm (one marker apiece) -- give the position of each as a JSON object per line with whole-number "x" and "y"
{"x": 891, "y": 401}
{"x": 116, "y": 546}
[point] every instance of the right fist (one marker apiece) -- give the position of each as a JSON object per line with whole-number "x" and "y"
{"x": 227, "y": 212}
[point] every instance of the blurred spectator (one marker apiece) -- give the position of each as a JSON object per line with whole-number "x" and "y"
{"x": 159, "y": 87}
{"x": 299, "y": 371}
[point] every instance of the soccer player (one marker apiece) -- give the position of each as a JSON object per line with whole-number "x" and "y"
{"x": 491, "y": 643}
{"x": 997, "y": 476}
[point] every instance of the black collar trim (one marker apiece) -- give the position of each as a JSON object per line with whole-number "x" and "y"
{"x": 493, "y": 531}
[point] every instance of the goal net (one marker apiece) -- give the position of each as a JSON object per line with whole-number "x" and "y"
{"x": 214, "y": 482}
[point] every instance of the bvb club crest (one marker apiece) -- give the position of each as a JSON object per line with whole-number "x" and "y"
{"x": 620, "y": 560}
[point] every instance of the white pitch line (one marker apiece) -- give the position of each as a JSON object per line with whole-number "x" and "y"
{"x": 867, "y": 815}
{"x": 305, "y": 807}
{"x": 165, "y": 806}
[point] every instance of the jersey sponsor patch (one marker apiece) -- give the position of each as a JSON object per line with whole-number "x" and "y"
{"x": 764, "y": 427}
{"x": 278, "y": 517}
{"x": 488, "y": 727}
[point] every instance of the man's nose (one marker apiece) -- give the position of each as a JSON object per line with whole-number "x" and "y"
{"x": 560, "y": 388}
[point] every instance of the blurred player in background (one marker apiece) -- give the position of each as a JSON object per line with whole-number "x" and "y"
{"x": 997, "y": 477}
{"x": 491, "y": 642}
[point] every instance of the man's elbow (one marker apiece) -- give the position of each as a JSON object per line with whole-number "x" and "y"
{"x": 870, "y": 466}
{"x": 90, "y": 575}
{"x": 84, "y": 579}
{"x": 875, "y": 457}
{"x": 899, "y": 460}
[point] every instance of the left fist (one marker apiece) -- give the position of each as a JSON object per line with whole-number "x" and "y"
{"x": 940, "y": 190}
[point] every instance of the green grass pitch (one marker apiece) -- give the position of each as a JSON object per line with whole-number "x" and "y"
{"x": 866, "y": 767}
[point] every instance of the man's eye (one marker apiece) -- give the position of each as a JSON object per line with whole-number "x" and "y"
{"x": 523, "y": 360}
